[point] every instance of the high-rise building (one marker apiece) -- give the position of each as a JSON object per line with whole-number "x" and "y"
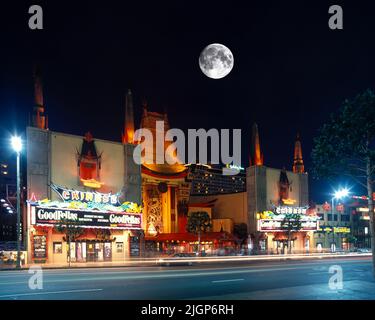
{"x": 7, "y": 203}
{"x": 209, "y": 180}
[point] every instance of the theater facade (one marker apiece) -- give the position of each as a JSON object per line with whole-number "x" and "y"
{"x": 84, "y": 195}
{"x": 88, "y": 200}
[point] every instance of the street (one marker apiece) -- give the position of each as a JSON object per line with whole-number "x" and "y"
{"x": 280, "y": 280}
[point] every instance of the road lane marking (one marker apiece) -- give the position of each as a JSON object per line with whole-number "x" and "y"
{"x": 158, "y": 276}
{"x": 316, "y": 273}
{"x": 228, "y": 280}
{"x": 48, "y": 292}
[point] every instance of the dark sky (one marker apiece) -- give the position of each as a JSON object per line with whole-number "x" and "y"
{"x": 290, "y": 70}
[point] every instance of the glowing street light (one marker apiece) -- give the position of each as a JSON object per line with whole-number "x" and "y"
{"x": 338, "y": 194}
{"x": 17, "y": 147}
{"x": 16, "y": 144}
{"x": 342, "y": 193}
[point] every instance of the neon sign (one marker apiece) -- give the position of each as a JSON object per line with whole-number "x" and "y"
{"x": 86, "y": 197}
{"x": 277, "y": 226}
{"x": 291, "y": 210}
{"x": 234, "y": 167}
{"x": 85, "y": 219}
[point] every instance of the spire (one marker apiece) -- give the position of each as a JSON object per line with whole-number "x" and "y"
{"x": 38, "y": 118}
{"x": 298, "y": 166}
{"x": 256, "y": 156}
{"x": 128, "y": 135}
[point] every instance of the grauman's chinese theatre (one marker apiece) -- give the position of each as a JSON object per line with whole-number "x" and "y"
{"x": 165, "y": 195}
{"x": 89, "y": 185}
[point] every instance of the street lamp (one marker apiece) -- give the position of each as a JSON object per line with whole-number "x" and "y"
{"x": 342, "y": 193}
{"x": 338, "y": 194}
{"x": 17, "y": 147}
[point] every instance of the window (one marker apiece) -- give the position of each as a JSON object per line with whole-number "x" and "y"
{"x": 335, "y": 217}
{"x": 57, "y": 247}
{"x": 119, "y": 247}
{"x": 345, "y": 217}
{"x": 329, "y": 217}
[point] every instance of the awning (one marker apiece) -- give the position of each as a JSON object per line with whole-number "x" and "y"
{"x": 282, "y": 237}
{"x": 208, "y": 236}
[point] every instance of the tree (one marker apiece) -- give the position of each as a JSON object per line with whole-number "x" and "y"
{"x": 352, "y": 240}
{"x": 240, "y": 233}
{"x": 345, "y": 146}
{"x": 198, "y": 222}
{"x": 291, "y": 223}
{"x": 103, "y": 234}
{"x": 71, "y": 230}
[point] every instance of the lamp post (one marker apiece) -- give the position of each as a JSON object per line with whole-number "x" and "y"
{"x": 17, "y": 147}
{"x": 339, "y": 194}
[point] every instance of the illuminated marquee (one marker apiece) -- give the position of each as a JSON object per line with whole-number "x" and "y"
{"x": 291, "y": 210}
{"x": 85, "y": 219}
{"x": 84, "y": 196}
{"x": 276, "y": 225}
{"x": 271, "y": 221}
{"x": 329, "y": 229}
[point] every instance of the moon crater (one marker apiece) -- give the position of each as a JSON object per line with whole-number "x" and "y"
{"x": 216, "y": 61}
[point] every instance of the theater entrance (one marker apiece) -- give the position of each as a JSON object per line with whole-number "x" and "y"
{"x": 91, "y": 251}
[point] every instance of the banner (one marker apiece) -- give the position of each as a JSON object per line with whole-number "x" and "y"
{"x": 275, "y": 225}
{"x": 84, "y": 196}
{"x": 85, "y": 219}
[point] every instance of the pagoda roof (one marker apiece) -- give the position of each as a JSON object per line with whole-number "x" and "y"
{"x": 165, "y": 171}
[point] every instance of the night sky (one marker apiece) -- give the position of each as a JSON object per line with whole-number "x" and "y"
{"x": 290, "y": 70}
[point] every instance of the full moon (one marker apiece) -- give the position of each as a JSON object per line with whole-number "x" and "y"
{"x": 216, "y": 61}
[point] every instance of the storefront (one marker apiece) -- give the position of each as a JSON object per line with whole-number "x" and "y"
{"x": 211, "y": 243}
{"x": 286, "y": 226}
{"x": 332, "y": 238}
{"x": 96, "y": 231}
{"x": 83, "y": 199}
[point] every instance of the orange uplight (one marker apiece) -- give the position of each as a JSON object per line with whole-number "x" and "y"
{"x": 289, "y": 201}
{"x": 33, "y": 198}
{"x": 91, "y": 183}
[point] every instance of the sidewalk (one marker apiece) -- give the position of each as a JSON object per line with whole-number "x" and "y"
{"x": 75, "y": 265}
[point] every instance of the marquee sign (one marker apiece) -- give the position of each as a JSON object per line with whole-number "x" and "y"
{"x": 84, "y": 196}
{"x": 329, "y": 229}
{"x": 272, "y": 221}
{"x": 85, "y": 219}
{"x": 276, "y": 225}
{"x": 290, "y": 210}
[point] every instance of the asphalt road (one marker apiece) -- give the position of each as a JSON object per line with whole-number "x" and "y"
{"x": 297, "y": 279}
